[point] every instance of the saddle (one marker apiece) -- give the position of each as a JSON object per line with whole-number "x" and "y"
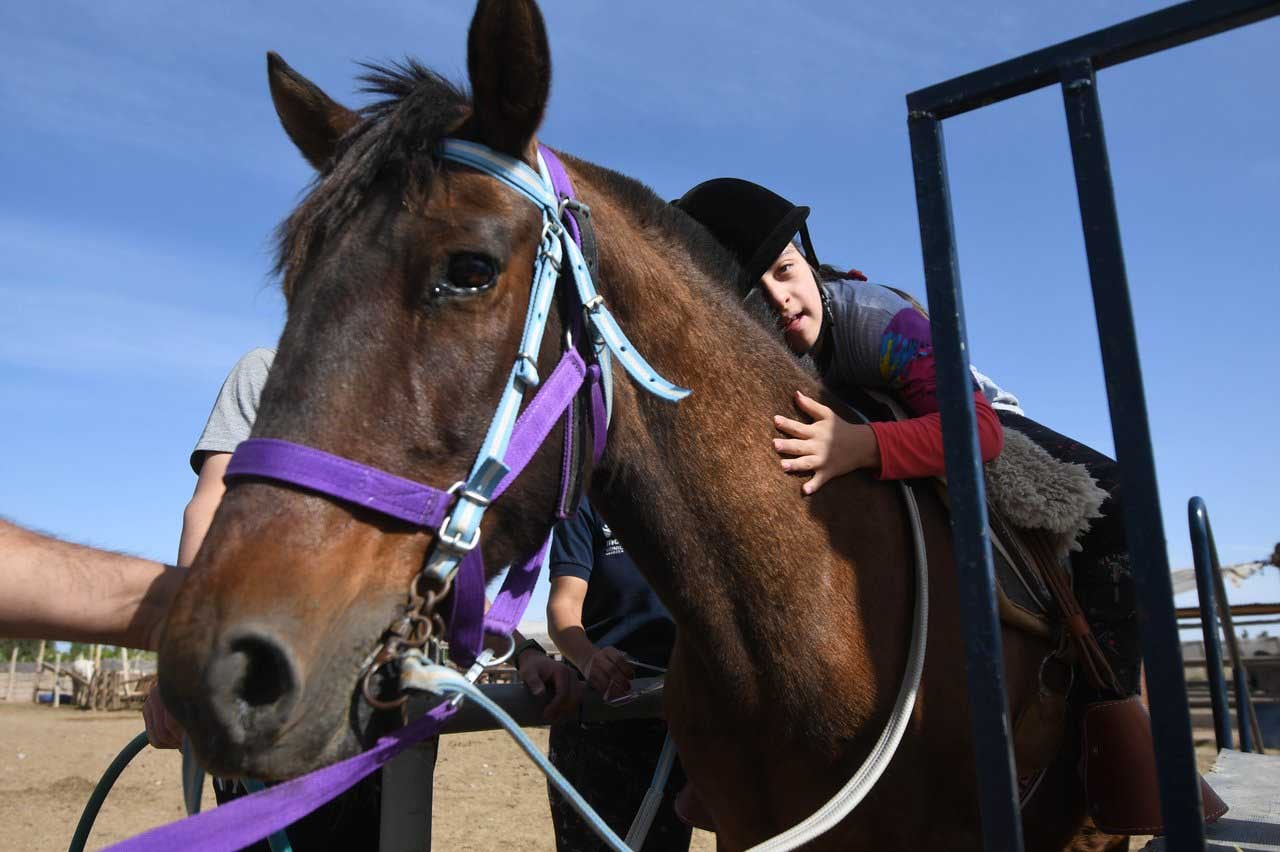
{"x": 1037, "y": 508}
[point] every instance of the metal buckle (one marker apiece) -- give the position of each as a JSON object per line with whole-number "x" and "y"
{"x": 528, "y": 381}
{"x": 460, "y": 489}
{"x": 567, "y": 202}
{"x": 551, "y": 228}
{"x": 556, "y": 263}
{"x": 455, "y": 542}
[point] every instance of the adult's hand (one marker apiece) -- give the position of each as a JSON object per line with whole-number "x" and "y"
{"x": 609, "y": 673}
{"x": 162, "y": 729}
{"x": 541, "y": 674}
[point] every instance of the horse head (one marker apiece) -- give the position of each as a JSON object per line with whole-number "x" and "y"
{"x": 407, "y": 281}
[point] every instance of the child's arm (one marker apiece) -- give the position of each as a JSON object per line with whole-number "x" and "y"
{"x": 831, "y": 446}
{"x": 913, "y": 448}
{"x": 905, "y": 449}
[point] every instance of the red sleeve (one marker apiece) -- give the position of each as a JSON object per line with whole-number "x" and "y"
{"x": 910, "y": 449}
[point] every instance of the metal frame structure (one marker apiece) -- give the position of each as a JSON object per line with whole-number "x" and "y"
{"x": 1198, "y": 521}
{"x": 1214, "y": 607}
{"x": 408, "y": 780}
{"x": 1073, "y": 65}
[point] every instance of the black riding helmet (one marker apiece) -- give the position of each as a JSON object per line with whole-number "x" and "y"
{"x": 752, "y": 222}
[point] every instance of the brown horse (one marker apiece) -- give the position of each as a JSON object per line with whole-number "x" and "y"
{"x": 407, "y": 283}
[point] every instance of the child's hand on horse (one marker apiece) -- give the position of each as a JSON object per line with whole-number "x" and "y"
{"x": 828, "y": 447}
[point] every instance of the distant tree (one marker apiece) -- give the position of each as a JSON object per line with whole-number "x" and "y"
{"x": 27, "y": 649}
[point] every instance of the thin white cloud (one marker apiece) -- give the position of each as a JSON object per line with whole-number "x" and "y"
{"x": 83, "y": 300}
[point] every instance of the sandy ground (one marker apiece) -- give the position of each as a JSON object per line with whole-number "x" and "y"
{"x": 51, "y": 759}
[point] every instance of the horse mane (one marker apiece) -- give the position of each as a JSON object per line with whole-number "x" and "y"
{"x": 720, "y": 266}
{"x": 397, "y": 138}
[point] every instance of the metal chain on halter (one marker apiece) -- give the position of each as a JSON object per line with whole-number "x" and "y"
{"x": 413, "y": 631}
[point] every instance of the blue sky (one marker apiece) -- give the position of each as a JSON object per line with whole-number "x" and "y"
{"x": 143, "y": 169}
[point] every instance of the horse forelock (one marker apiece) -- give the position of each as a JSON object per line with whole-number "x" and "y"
{"x": 396, "y": 140}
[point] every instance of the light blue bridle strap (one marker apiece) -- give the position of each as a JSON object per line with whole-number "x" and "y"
{"x": 460, "y": 532}
{"x": 604, "y": 323}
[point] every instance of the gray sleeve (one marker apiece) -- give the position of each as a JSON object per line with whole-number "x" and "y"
{"x": 860, "y": 313}
{"x": 234, "y": 410}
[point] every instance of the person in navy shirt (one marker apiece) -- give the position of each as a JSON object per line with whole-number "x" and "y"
{"x": 608, "y": 624}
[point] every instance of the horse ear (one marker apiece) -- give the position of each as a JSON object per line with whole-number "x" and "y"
{"x": 314, "y": 121}
{"x": 509, "y": 62}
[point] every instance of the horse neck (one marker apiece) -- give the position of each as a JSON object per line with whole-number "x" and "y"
{"x": 745, "y": 563}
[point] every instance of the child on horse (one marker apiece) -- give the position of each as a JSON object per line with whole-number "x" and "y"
{"x": 864, "y": 335}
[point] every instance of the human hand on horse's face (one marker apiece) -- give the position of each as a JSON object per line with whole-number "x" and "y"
{"x": 609, "y": 672}
{"x": 540, "y": 673}
{"x": 828, "y": 447}
{"x": 163, "y": 730}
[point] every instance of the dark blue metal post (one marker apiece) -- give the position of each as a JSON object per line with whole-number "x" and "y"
{"x": 1144, "y": 528}
{"x": 1240, "y": 678}
{"x": 1250, "y": 733}
{"x": 1198, "y": 520}
{"x": 997, "y": 786}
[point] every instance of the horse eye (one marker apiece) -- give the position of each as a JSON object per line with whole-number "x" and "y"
{"x": 471, "y": 272}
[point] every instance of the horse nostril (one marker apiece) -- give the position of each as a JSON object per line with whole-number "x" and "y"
{"x": 265, "y": 673}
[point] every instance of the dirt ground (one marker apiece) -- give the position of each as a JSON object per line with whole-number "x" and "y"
{"x": 51, "y": 759}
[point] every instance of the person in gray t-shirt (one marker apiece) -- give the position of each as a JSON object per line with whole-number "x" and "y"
{"x": 230, "y": 422}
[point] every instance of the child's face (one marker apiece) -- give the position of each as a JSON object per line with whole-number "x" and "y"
{"x": 790, "y": 290}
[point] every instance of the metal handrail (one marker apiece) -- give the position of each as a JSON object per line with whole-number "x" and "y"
{"x": 1198, "y": 519}
{"x": 1214, "y": 606}
{"x": 408, "y": 780}
{"x": 1071, "y": 64}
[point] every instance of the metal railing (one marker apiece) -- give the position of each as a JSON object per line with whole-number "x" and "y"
{"x": 1214, "y": 606}
{"x": 1072, "y": 65}
{"x": 408, "y": 780}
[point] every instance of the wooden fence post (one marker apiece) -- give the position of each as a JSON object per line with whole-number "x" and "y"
{"x": 13, "y": 673}
{"x": 35, "y": 689}
{"x": 57, "y": 676}
{"x": 124, "y": 670}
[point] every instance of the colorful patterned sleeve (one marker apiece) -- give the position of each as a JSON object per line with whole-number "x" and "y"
{"x": 913, "y": 448}
{"x": 905, "y": 339}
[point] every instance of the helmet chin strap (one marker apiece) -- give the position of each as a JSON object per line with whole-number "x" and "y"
{"x": 809, "y": 254}
{"x": 820, "y": 352}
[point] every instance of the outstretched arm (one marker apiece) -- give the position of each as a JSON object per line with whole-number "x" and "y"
{"x": 53, "y": 589}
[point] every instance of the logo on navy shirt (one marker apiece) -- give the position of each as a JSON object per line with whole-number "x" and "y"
{"x": 612, "y": 547}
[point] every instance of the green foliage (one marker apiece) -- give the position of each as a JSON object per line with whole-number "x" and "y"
{"x": 27, "y": 649}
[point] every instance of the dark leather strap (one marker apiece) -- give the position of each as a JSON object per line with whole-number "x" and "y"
{"x": 578, "y": 431}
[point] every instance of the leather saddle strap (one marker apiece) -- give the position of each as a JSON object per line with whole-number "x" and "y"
{"x": 1055, "y": 577}
{"x": 1089, "y": 652}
